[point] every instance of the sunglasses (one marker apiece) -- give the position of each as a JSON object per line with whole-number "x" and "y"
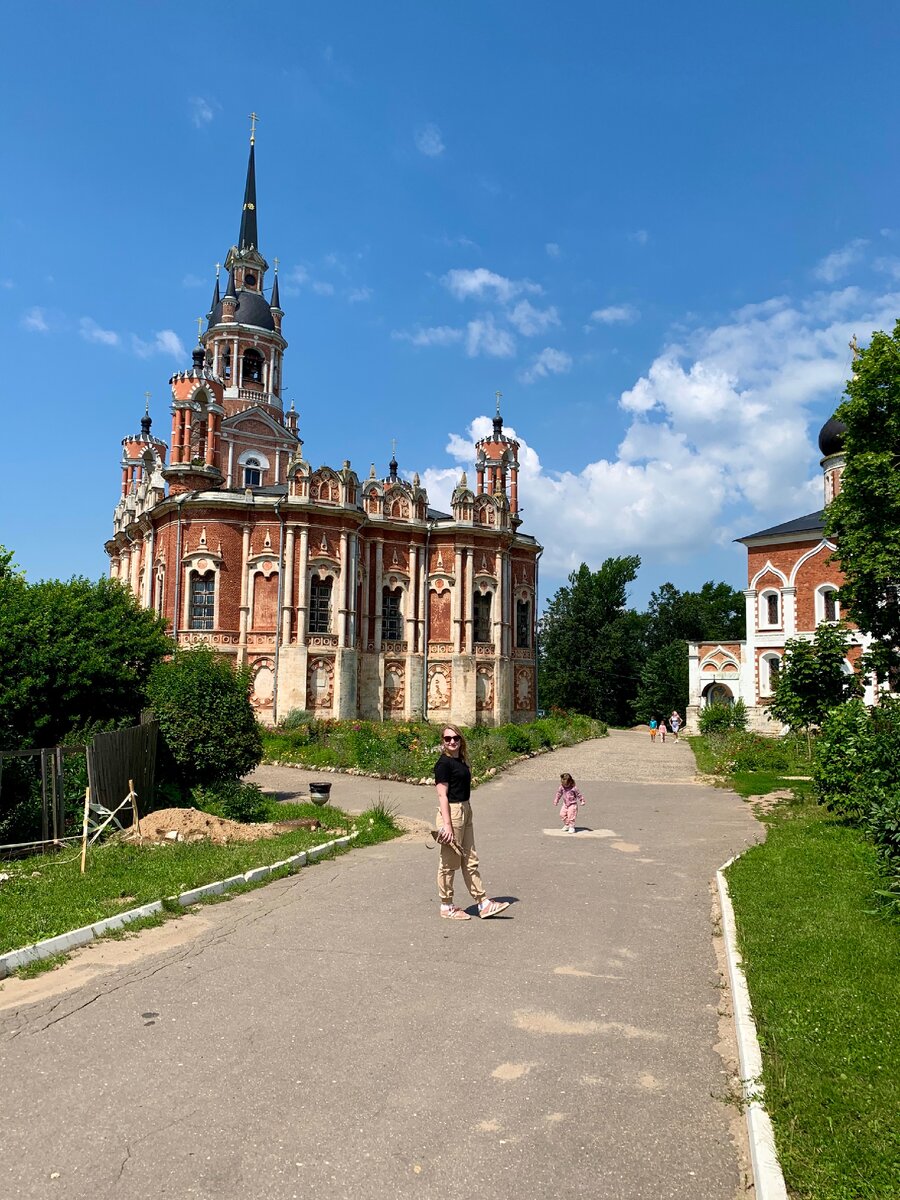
{"x": 454, "y": 738}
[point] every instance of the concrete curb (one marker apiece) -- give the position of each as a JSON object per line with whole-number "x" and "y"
{"x": 767, "y": 1177}
{"x": 13, "y": 959}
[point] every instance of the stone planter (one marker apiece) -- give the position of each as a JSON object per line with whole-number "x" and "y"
{"x": 320, "y": 793}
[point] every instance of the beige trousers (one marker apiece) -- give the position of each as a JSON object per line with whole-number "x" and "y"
{"x": 450, "y": 863}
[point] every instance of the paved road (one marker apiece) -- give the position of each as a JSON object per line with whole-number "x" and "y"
{"x": 329, "y": 1035}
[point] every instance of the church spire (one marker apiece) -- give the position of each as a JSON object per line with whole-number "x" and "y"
{"x": 248, "y": 237}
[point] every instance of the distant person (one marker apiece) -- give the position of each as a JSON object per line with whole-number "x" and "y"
{"x": 662, "y": 731}
{"x": 456, "y": 834}
{"x": 654, "y": 727}
{"x": 568, "y": 798}
{"x": 675, "y": 724}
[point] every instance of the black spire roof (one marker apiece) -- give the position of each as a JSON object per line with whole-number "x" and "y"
{"x": 275, "y": 301}
{"x": 230, "y": 289}
{"x": 216, "y": 297}
{"x": 248, "y": 236}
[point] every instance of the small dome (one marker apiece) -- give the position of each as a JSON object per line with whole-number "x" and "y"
{"x": 252, "y": 309}
{"x": 831, "y": 437}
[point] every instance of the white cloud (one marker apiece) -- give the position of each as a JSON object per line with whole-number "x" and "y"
{"x": 92, "y": 332}
{"x": 464, "y": 284}
{"x": 35, "y": 321}
{"x": 483, "y": 337}
{"x": 552, "y": 249}
{"x": 7, "y": 284}
{"x": 193, "y": 281}
{"x": 614, "y": 314}
{"x": 165, "y": 341}
{"x": 839, "y": 262}
{"x": 641, "y": 236}
{"x": 548, "y": 362}
{"x": 201, "y": 111}
{"x": 719, "y": 437}
{"x": 429, "y": 141}
{"x": 530, "y": 320}
{"x": 438, "y": 335}
{"x": 359, "y": 295}
{"x": 323, "y": 288}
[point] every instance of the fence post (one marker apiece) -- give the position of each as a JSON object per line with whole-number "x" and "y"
{"x": 45, "y": 806}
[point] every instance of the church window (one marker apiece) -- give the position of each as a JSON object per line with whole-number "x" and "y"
{"x": 482, "y": 617}
{"x": 203, "y": 599}
{"x": 827, "y": 608}
{"x": 320, "y": 606}
{"x": 253, "y": 367}
{"x": 770, "y": 609}
{"x": 226, "y": 364}
{"x": 391, "y": 614}
{"x": 523, "y": 624}
{"x": 770, "y": 669}
{"x": 252, "y": 473}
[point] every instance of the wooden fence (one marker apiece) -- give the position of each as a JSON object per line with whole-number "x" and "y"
{"x": 114, "y": 759}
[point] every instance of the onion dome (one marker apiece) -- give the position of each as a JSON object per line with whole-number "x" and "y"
{"x": 831, "y": 437}
{"x": 252, "y": 309}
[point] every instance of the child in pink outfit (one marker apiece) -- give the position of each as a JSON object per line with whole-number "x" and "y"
{"x": 568, "y": 798}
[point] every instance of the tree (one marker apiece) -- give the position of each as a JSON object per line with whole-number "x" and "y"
{"x": 675, "y": 618}
{"x": 206, "y": 720}
{"x": 71, "y": 654}
{"x": 813, "y": 680}
{"x": 864, "y": 518}
{"x": 591, "y": 644}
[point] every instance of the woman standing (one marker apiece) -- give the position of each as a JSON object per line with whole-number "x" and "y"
{"x": 454, "y": 786}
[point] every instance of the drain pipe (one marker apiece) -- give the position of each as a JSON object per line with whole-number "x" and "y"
{"x": 537, "y": 658}
{"x": 426, "y": 624}
{"x": 278, "y": 603}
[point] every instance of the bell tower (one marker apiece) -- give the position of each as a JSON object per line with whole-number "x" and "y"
{"x": 497, "y": 466}
{"x": 243, "y": 340}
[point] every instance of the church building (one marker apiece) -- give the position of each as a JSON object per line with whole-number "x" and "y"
{"x": 346, "y": 596}
{"x": 792, "y": 586}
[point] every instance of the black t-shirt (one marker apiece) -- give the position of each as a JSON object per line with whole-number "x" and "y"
{"x": 457, "y": 776}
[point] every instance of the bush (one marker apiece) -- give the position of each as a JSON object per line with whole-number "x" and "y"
{"x": 517, "y": 739}
{"x": 232, "y": 799}
{"x": 206, "y": 722}
{"x": 844, "y": 754}
{"x": 296, "y": 719}
{"x": 883, "y": 826}
{"x": 720, "y": 718}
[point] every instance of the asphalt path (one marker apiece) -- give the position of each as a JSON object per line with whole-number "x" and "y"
{"x": 330, "y": 1035}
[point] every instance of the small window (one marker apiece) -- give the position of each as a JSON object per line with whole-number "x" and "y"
{"x": 253, "y": 367}
{"x": 482, "y": 617}
{"x": 320, "y": 606}
{"x": 203, "y": 600}
{"x": 391, "y": 615}
{"x": 770, "y": 669}
{"x": 252, "y": 473}
{"x": 829, "y": 604}
{"x": 226, "y": 365}
{"x": 523, "y": 624}
{"x": 772, "y": 608}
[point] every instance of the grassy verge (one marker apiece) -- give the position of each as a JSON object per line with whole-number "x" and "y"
{"x": 47, "y": 895}
{"x": 752, "y": 765}
{"x": 407, "y": 750}
{"x": 823, "y": 971}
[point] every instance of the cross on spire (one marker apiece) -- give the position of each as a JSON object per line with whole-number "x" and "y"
{"x": 199, "y": 321}
{"x": 146, "y": 402}
{"x": 499, "y": 397}
{"x": 275, "y": 261}
{"x": 253, "y": 119}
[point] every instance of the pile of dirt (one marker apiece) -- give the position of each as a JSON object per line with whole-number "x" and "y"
{"x": 191, "y": 825}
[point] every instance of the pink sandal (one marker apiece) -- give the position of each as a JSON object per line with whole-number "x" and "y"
{"x": 452, "y": 912}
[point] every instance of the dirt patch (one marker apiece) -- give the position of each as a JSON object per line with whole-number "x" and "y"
{"x": 191, "y": 825}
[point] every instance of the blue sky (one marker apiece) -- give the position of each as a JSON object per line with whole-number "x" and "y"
{"x": 652, "y": 227}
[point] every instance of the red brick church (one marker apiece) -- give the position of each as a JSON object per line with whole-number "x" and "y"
{"x": 345, "y": 596}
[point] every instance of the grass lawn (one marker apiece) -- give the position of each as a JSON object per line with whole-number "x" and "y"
{"x": 823, "y": 969}
{"x": 47, "y": 895}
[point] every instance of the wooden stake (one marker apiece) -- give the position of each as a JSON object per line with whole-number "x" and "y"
{"x": 135, "y": 819}
{"x": 84, "y": 827}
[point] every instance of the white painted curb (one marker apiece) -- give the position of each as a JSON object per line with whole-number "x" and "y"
{"x": 13, "y": 959}
{"x": 767, "y": 1177}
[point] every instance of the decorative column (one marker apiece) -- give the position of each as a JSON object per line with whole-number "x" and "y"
{"x": 352, "y": 588}
{"x": 136, "y": 570}
{"x": 366, "y": 614}
{"x": 342, "y": 611}
{"x": 469, "y": 603}
{"x": 789, "y": 611}
{"x": 379, "y": 579}
{"x": 456, "y": 633}
{"x": 411, "y": 621}
{"x": 245, "y": 586}
{"x": 303, "y": 585}
{"x": 288, "y": 586}
{"x": 514, "y": 488}
{"x": 210, "y": 456}
{"x": 230, "y": 482}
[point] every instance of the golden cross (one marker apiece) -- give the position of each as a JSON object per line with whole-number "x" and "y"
{"x": 146, "y": 402}
{"x": 275, "y": 260}
{"x": 393, "y": 447}
{"x": 499, "y": 396}
{"x": 199, "y": 327}
{"x": 218, "y": 265}
{"x": 854, "y": 346}
{"x": 253, "y": 120}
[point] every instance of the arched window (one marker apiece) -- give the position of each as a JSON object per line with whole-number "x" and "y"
{"x": 252, "y": 371}
{"x": 203, "y": 600}
{"x": 252, "y": 473}
{"x": 523, "y": 624}
{"x": 226, "y": 363}
{"x": 391, "y": 614}
{"x": 827, "y": 606}
{"x": 769, "y": 609}
{"x": 770, "y": 669}
{"x": 320, "y": 606}
{"x": 482, "y": 616}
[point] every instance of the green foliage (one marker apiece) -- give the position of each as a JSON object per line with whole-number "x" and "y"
{"x": 232, "y": 799}
{"x": 864, "y": 518}
{"x": 812, "y": 680}
{"x": 590, "y": 643}
{"x": 206, "y": 722}
{"x": 721, "y": 718}
{"x": 664, "y": 683}
{"x": 517, "y": 738}
{"x": 845, "y": 751}
{"x": 296, "y": 719}
{"x": 716, "y": 612}
{"x": 883, "y": 826}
